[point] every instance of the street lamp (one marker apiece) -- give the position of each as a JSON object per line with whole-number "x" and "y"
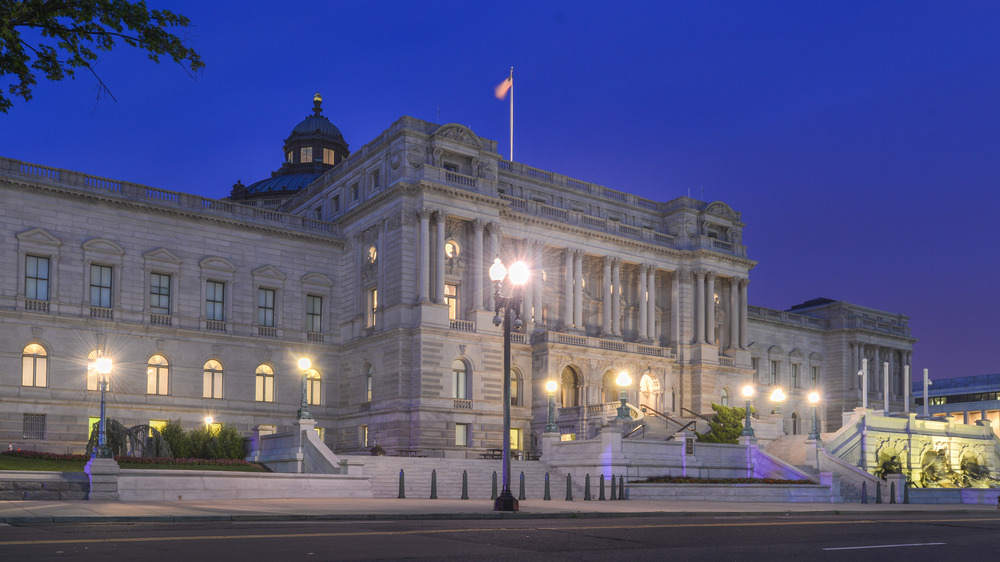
{"x": 209, "y": 420}
{"x": 550, "y": 425}
{"x": 304, "y": 413}
{"x": 814, "y": 400}
{"x": 623, "y": 381}
{"x": 103, "y": 366}
{"x": 777, "y": 396}
{"x": 510, "y": 305}
{"x": 747, "y": 430}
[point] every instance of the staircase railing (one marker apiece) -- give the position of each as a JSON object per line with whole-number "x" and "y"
{"x": 682, "y": 425}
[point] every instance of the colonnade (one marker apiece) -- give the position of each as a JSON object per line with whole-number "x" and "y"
{"x": 877, "y": 356}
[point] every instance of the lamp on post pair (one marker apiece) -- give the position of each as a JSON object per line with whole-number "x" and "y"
{"x": 747, "y": 430}
{"x": 510, "y": 307}
{"x": 103, "y": 367}
{"x": 304, "y": 413}
{"x": 550, "y": 424}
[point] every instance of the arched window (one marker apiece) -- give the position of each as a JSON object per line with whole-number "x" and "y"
{"x": 369, "y": 383}
{"x": 264, "y": 384}
{"x": 34, "y": 366}
{"x": 795, "y": 423}
{"x": 212, "y": 385}
{"x": 724, "y": 398}
{"x": 515, "y": 387}
{"x": 649, "y": 391}
{"x": 313, "y": 381}
{"x": 570, "y": 388}
{"x": 459, "y": 380}
{"x": 609, "y": 388}
{"x": 157, "y": 375}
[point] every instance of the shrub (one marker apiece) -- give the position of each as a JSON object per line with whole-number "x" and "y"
{"x": 726, "y": 425}
{"x": 177, "y": 438}
{"x": 230, "y": 443}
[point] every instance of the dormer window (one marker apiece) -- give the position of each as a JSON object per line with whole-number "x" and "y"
{"x": 306, "y": 154}
{"x": 328, "y": 156}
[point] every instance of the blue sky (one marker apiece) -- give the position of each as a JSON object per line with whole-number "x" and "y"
{"x": 859, "y": 140}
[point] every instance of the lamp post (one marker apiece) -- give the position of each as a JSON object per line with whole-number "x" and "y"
{"x": 623, "y": 381}
{"x": 208, "y": 421}
{"x": 814, "y": 400}
{"x": 863, "y": 373}
{"x": 103, "y": 366}
{"x": 304, "y": 413}
{"x": 777, "y": 396}
{"x": 550, "y": 425}
{"x": 510, "y": 305}
{"x": 747, "y": 430}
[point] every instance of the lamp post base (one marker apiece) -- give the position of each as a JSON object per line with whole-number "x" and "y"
{"x": 505, "y": 502}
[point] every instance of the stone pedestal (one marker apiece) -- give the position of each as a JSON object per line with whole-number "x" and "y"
{"x": 103, "y": 475}
{"x": 899, "y": 480}
{"x": 302, "y": 426}
{"x": 547, "y": 440}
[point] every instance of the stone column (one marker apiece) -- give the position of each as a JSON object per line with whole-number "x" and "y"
{"x": 568, "y": 297}
{"x": 641, "y": 291}
{"x": 425, "y": 254}
{"x": 734, "y": 312}
{"x": 616, "y": 298}
{"x": 606, "y": 300}
{"x": 494, "y": 253}
{"x": 478, "y": 264}
{"x": 743, "y": 312}
{"x": 538, "y": 281}
{"x": 439, "y": 262}
{"x": 699, "y": 307}
{"x": 578, "y": 289}
{"x": 651, "y": 303}
{"x": 528, "y": 292}
{"x": 675, "y": 304}
{"x": 710, "y": 307}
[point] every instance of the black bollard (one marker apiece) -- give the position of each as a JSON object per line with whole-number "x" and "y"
{"x": 402, "y": 493}
{"x": 465, "y": 484}
{"x": 569, "y": 487}
{"x": 494, "y": 496}
{"x": 892, "y": 492}
{"x": 614, "y": 494}
{"x": 864, "y": 491}
{"x": 520, "y": 494}
{"x": 621, "y": 487}
{"x": 906, "y": 491}
{"x": 434, "y": 484}
{"x": 586, "y": 488}
{"x": 878, "y": 492}
{"x": 601, "y": 496}
{"x": 547, "y": 495}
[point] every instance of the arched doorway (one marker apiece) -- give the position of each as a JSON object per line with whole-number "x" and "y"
{"x": 570, "y": 388}
{"x": 649, "y": 392}
{"x": 795, "y": 423}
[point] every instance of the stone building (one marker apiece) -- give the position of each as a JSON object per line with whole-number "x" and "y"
{"x": 373, "y": 264}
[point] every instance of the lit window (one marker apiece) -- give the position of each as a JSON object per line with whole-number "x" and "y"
{"x": 368, "y": 383}
{"x": 100, "y": 286}
{"x": 372, "y": 306}
{"x": 159, "y": 293}
{"x": 157, "y": 375}
{"x": 313, "y": 382}
{"x": 265, "y": 307}
{"x": 215, "y": 301}
{"x": 459, "y": 379}
{"x": 372, "y": 253}
{"x": 306, "y": 154}
{"x": 288, "y": 157}
{"x": 451, "y": 299}
{"x": 36, "y": 278}
{"x": 212, "y": 384}
{"x": 264, "y": 379}
{"x": 451, "y": 249}
{"x": 34, "y": 366}
{"x": 329, "y": 156}
{"x": 314, "y": 313}
{"x": 461, "y": 435}
{"x": 515, "y": 388}
{"x": 516, "y": 439}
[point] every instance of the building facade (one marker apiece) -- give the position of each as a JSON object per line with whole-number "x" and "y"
{"x": 376, "y": 270}
{"x": 968, "y": 400}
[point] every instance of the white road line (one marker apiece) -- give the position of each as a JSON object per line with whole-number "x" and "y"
{"x": 886, "y": 546}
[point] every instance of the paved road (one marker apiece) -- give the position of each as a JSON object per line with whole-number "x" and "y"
{"x": 877, "y": 536}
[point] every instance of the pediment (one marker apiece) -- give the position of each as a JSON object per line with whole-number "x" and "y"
{"x": 816, "y": 357}
{"x": 776, "y": 350}
{"x": 756, "y": 347}
{"x": 38, "y": 236}
{"x": 218, "y": 264}
{"x": 103, "y": 245}
{"x": 316, "y": 279}
{"x": 270, "y": 272}
{"x": 458, "y": 133}
{"x": 795, "y": 354}
{"x": 721, "y": 209}
{"x": 162, "y": 255}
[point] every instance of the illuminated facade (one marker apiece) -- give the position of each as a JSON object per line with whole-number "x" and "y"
{"x": 376, "y": 269}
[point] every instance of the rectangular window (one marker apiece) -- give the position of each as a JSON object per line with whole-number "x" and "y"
{"x": 451, "y": 299}
{"x": 354, "y": 192}
{"x": 375, "y": 180}
{"x": 516, "y": 443}
{"x": 34, "y": 426}
{"x": 265, "y": 388}
{"x": 215, "y": 301}
{"x": 158, "y": 425}
{"x": 212, "y": 383}
{"x": 755, "y": 366}
{"x": 288, "y": 157}
{"x": 314, "y": 314}
{"x": 313, "y": 386}
{"x": 372, "y": 307}
{"x": 796, "y": 382}
{"x": 461, "y": 435}
{"x": 159, "y": 293}
{"x": 363, "y": 435}
{"x": 815, "y": 377}
{"x": 336, "y": 204}
{"x": 451, "y": 168}
{"x": 36, "y": 278}
{"x": 157, "y": 377}
{"x": 306, "y": 154}
{"x": 265, "y": 307}
{"x": 774, "y": 372}
{"x": 34, "y": 369}
{"x": 328, "y": 156}
{"x": 100, "y": 286}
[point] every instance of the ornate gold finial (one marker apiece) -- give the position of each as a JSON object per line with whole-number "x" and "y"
{"x": 317, "y": 104}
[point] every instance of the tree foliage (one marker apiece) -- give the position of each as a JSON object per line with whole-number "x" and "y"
{"x": 61, "y": 36}
{"x": 204, "y": 442}
{"x": 726, "y": 425}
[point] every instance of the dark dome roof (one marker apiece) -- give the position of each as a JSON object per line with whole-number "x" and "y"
{"x": 318, "y": 125}
{"x": 290, "y": 182}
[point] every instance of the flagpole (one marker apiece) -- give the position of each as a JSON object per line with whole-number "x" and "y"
{"x": 512, "y": 114}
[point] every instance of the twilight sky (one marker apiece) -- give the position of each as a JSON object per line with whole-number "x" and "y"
{"x": 859, "y": 140}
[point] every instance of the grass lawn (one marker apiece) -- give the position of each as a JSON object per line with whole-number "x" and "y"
{"x": 10, "y": 462}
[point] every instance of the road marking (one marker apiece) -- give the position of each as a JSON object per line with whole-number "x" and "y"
{"x": 481, "y": 530}
{"x": 886, "y": 546}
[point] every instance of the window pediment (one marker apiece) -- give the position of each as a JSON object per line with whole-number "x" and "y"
{"x": 316, "y": 279}
{"x": 103, "y": 246}
{"x": 162, "y": 255}
{"x": 217, "y": 264}
{"x": 268, "y": 272}
{"x": 38, "y": 237}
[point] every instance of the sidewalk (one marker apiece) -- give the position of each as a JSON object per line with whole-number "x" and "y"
{"x": 364, "y": 509}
